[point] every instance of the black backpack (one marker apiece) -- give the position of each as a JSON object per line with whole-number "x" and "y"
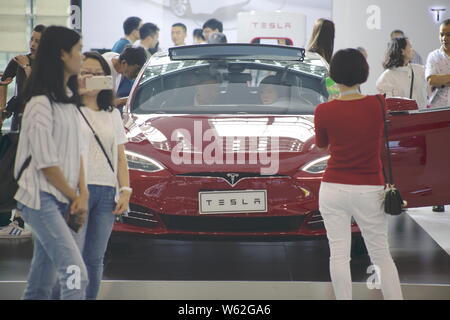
{"x": 8, "y": 185}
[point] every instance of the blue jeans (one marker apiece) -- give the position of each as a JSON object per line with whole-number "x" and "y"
{"x": 55, "y": 255}
{"x": 94, "y": 235}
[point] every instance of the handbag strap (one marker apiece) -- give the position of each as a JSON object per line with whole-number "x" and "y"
{"x": 97, "y": 139}
{"x": 24, "y": 166}
{"x": 390, "y": 178}
{"x": 412, "y": 83}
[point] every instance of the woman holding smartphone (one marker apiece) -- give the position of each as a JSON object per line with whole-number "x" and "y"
{"x": 54, "y": 179}
{"x": 107, "y": 169}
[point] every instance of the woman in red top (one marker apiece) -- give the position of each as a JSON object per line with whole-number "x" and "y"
{"x": 351, "y": 129}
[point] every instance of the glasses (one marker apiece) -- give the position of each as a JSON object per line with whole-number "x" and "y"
{"x": 95, "y": 74}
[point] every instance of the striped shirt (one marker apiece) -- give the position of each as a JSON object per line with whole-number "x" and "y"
{"x": 50, "y": 133}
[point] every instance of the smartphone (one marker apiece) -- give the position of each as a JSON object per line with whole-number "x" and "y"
{"x": 73, "y": 223}
{"x": 99, "y": 83}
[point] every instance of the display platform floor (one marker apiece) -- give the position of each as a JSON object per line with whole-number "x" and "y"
{"x": 139, "y": 267}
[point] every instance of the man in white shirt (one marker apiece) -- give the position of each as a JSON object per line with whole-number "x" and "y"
{"x": 179, "y": 34}
{"x": 128, "y": 64}
{"x": 149, "y": 34}
{"x": 437, "y": 71}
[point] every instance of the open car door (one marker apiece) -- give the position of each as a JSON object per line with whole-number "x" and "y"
{"x": 420, "y": 152}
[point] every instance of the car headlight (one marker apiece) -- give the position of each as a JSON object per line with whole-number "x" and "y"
{"x": 316, "y": 166}
{"x": 139, "y": 162}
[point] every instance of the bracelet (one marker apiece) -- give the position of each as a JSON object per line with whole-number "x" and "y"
{"x": 126, "y": 189}
{"x": 25, "y": 66}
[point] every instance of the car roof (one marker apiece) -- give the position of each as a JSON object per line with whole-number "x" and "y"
{"x": 312, "y": 62}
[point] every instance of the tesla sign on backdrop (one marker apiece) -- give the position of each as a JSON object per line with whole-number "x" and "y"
{"x": 257, "y": 24}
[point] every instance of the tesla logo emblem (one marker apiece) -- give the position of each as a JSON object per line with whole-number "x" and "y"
{"x": 232, "y": 177}
{"x": 438, "y": 13}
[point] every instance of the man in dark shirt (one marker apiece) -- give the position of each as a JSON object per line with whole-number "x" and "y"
{"x": 131, "y": 28}
{"x": 211, "y": 26}
{"x": 20, "y": 68}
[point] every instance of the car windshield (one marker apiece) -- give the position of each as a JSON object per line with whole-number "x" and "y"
{"x": 230, "y": 87}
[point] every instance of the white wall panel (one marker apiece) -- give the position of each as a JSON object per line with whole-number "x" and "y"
{"x": 102, "y": 19}
{"x": 358, "y": 24}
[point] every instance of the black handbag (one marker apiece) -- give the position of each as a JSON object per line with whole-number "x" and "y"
{"x": 8, "y": 183}
{"x": 393, "y": 200}
{"x": 12, "y": 105}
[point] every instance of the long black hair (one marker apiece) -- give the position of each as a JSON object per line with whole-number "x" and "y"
{"x": 322, "y": 39}
{"x": 105, "y": 98}
{"x": 47, "y": 76}
{"x": 394, "y": 54}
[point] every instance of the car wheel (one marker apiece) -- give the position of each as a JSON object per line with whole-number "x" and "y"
{"x": 180, "y": 7}
{"x": 358, "y": 246}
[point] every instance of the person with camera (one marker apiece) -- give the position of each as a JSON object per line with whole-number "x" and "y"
{"x": 52, "y": 184}
{"x": 20, "y": 68}
{"x": 107, "y": 167}
{"x": 350, "y": 128}
{"x": 11, "y": 225}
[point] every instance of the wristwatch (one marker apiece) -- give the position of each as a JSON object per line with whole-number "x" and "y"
{"x": 25, "y": 65}
{"x": 126, "y": 189}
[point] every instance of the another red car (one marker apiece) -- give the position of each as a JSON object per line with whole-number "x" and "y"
{"x": 222, "y": 143}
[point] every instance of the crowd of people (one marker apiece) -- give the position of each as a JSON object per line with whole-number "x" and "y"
{"x": 72, "y": 156}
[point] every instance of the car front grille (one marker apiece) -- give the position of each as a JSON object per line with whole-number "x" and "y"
{"x": 232, "y": 224}
{"x": 315, "y": 221}
{"x": 140, "y": 216}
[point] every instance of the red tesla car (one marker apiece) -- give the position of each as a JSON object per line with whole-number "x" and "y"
{"x": 221, "y": 142}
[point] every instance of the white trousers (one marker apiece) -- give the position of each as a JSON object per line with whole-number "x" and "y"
{"x": 338, "y": 203}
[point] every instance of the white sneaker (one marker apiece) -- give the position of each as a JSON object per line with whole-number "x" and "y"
{"x": 14, "y": 231}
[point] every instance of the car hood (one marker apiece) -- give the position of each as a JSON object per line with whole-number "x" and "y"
{"x": 196, "y": 143}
